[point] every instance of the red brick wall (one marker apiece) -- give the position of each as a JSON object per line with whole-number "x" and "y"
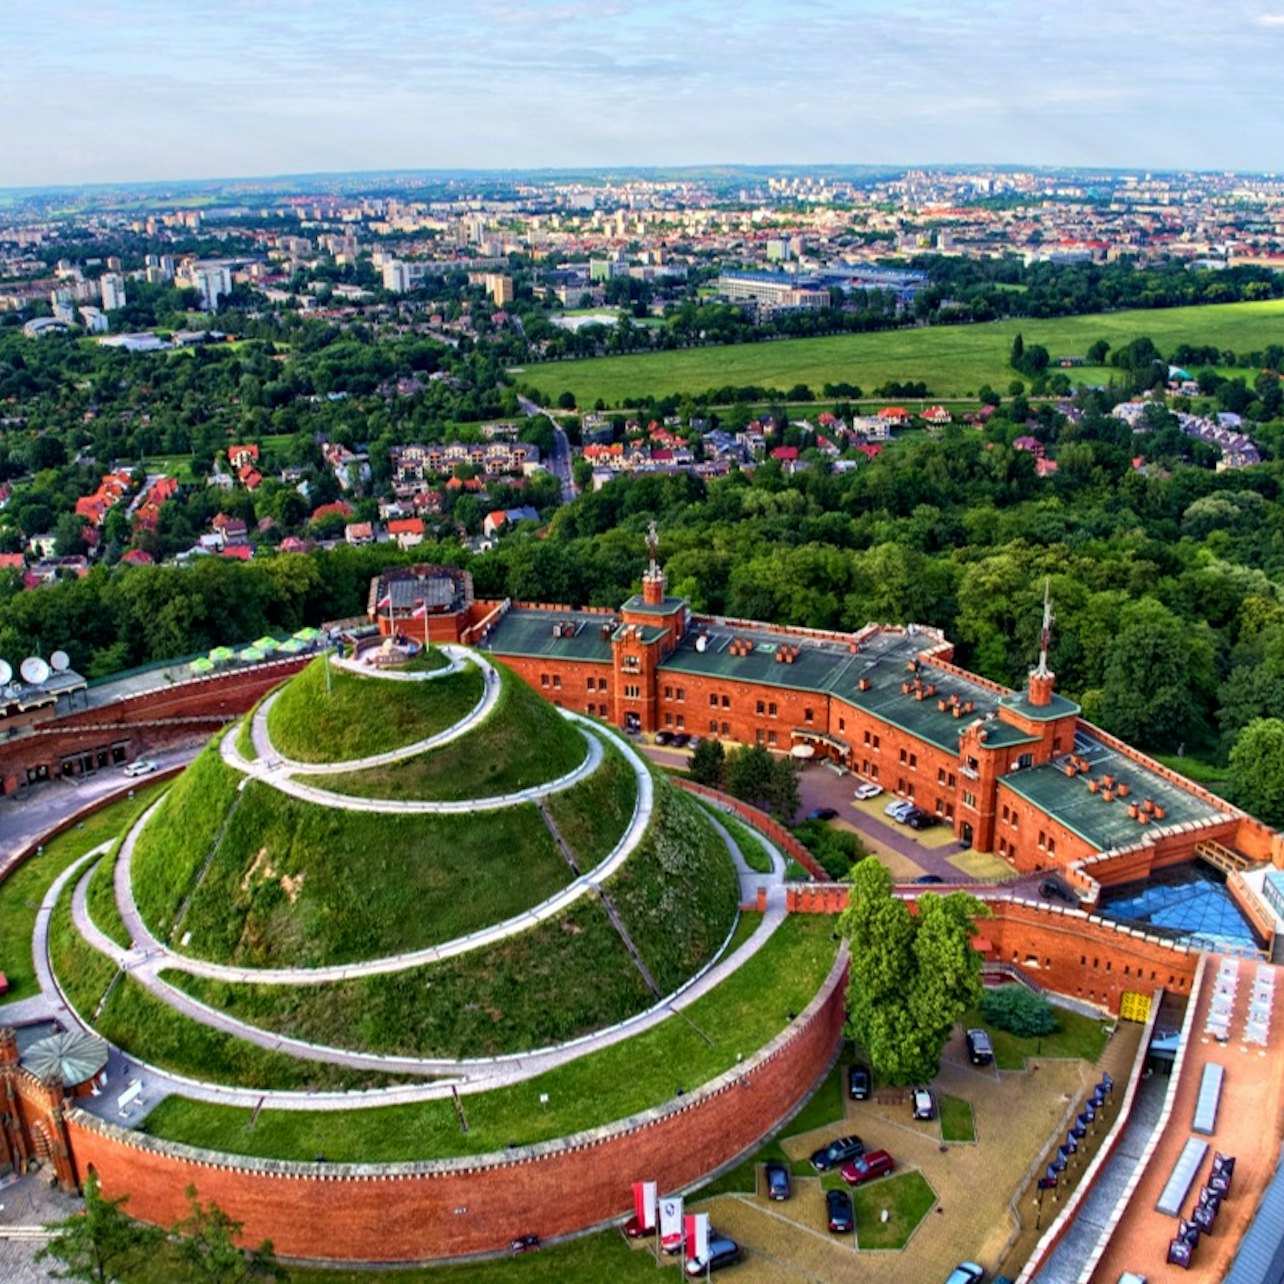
{"x": 574, "y": 675}
{"x": 474, "y": 1206}
{"x": 758, "y": 820}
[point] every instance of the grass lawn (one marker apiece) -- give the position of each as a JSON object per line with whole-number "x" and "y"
{"x": 906, "y": 1196}
{"x": 605, "y": 1256}
{"x": 100, "y": 897}
{"x": 362, "y": 716}
{"x": 524, "y": 742}
{"x": 296, "y": 884}
{"x": 951, "y": 360}
{"x": 750, "y": 848}
{"x": 957, "y": 1123}
{"x": 22, "y": 891}
{"x": 737, "y": 1017}
{"x": 1075, "y": 1036}
{"x": 426, "y": 661}
{"x": 555, "y": 982}
{"x": 796, "y": 873}
{"x": 1208, "y": 774}
{"x": 678, "y": 892}
{"x": 139, "y": 1023}
{"x": 593, "y": 815}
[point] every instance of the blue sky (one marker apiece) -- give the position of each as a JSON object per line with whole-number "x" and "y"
{"x": 127, "y": 90}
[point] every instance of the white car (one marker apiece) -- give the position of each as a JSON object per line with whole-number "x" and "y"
{"x": 141, "y": 767}
{"x": 866, "y": 790}
{"x": 898, "y": 809}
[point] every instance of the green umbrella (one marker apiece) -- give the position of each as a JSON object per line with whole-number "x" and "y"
{"x": 251, "y": 655}
{"x": 265, "y": 644}
{"x": 201, "y": 666}
{"x": 308, "y": 634}
{"x": 291, "y": 647}
{"x": 222, "y": 654}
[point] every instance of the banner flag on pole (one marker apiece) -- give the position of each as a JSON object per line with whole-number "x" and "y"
{"x": 386, "y": 600}
{"x": 421, "y": 609}
{"x": 671, "y": 1222}
{"x": 644, "y": 1204}
{"x": 697, "y": 1235}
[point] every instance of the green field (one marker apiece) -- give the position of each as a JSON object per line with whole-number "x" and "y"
{"x": 593, "y": 815}
{"x": 359, "y": 716}
{"x": 951, "y": 360}
{"x": 754, "y": 853}
{"x": 523, "y": 742}
{"x": 1075, "y": 1036}
{"x": 734, "y": 1019}
{"x": 21, "y": 892}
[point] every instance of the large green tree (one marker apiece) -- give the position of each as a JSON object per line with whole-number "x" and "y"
{"x": 99, "y": 1245}
{"x": 209, "y": 1252}
{"x": 1257, "y": 769}
{"x": 911, "y": 976}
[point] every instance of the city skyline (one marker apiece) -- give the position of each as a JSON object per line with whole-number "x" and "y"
{"x": 153, "y": 93}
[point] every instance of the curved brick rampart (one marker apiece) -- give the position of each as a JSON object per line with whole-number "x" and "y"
{"x": 476, "y": 1204}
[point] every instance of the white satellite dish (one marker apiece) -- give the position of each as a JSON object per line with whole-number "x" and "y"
{"x": 6, "y": 672}
{"x": 60, "y": 662}
{"x": 34, "y": 670}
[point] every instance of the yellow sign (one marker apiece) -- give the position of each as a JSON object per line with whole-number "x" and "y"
{"x": 1134, "y": 1007}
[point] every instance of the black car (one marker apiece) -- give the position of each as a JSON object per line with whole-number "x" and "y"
{"x": 680, "y": 740}
{"x": 779, "y": 1184}
{"x": 929, "y": 879}
{"x": 663, "y": 737}
{"x": 840, "y": 1151}
{"x": 858, "y": 1083}
{"x": 920, "y": 819}
{"x": 723, "y": 1251}
{"x": 821, "y": 813}
{"x": 980, "y": 1051}
{"x": 1053, "y": 890}
{"x": 842, "y": 1216}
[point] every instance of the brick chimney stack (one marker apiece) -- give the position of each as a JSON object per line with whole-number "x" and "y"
{"x": 653, "y": 580}
{"x": 1042, "y": 679}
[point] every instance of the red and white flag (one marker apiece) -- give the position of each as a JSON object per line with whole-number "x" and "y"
{"x": 671, "y": 1222}
{"x": 644, "y": 1204}
{"x": 421, "y": 609}
{"x": 386, "y": 600}
{"x": 697, "y": 1235}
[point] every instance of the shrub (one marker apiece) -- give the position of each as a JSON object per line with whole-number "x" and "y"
{"x": 1019, "y": 1011}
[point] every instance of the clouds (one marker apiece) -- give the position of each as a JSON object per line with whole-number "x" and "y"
{"x": 134, "y": 89}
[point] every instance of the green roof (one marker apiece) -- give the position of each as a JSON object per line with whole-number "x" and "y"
{"x": 1058, "y": 707}
{"x": 1068, "y": 800}
{"x": 668, "y": 606}
{"x": 529, "y": 631}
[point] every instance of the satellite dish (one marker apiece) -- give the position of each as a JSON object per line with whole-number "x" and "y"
{"x": 6, "y": 672}
{"x": 34, "y": 670}
{"x": 60, "y": 662}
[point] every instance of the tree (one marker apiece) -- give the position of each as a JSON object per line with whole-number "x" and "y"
{"x": 1257, "y": 769}
{"x": 208, "y": 1248}
{"x": 708, "y": 763}
{"x": 1018, "y": 1010}
{"x": 102, "y": 1243}
{"x": 1098, "y": 352}
{"x": 911, "y": 977}
{"x": 756, "y": 776}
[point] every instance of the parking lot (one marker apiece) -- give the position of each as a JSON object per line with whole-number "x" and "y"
{"x": 1014, "y": 1114}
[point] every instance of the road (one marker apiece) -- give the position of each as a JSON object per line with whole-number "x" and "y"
{"x": 559, "y": 462}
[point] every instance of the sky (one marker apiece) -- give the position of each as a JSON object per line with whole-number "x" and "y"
{"x": 143, "y": 90}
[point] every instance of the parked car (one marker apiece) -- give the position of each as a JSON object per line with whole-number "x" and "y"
{"x": 866, "y": 790}
{"x": 842, "y": 1216}
{"x": 141, "y": 767}
{"x": 837, "y": 1153}
{"x": 873, "y": 1163}
{"x": 525, "y": 1244}
{"x": 929, "y": 879}
{"x": 723, "y": 1251}
{"x": 858, "y": 1083}
{"x": 966, "y": 1273}
{"x": 898, "y": 809}
{"x": 821, "y": 813}
{"x": 681, "y": 740}
{"x": 1053, "y": 890}
{"x": 920, "y": 819}
{"x": 980, "y": 1051}
{"x": 779, "y": 1184}
{"x": 924, "y": 1103}
{"x": 663, "y": 737}
{"x": 694, "y": 743}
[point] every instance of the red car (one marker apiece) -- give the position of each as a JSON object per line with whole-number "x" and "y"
{"x": 874, "y": 1163}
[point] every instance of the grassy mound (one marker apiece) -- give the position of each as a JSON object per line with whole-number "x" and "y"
{"x": 292, "y": 884}
{"x": 593, "y": 815}
{"x": 523, "y": 742}
{"x": 736, "y": 1017}
{"x": 364, "y": 715}
{"x": 678, "y": 892}
{"x": 553, "y": 983}
{"x": 177, "y": 839}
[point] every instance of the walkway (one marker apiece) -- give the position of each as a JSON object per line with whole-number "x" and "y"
{"x": 459, "y": 659}
{"x": 464, "y": 1076}
{"x": 148, "y": 951}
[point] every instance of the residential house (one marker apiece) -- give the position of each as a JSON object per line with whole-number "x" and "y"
{"x": 407, "y": 531}
{"x": 356, "y": 533}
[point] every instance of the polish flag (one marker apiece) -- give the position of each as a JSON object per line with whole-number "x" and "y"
{"x": 421, "y": 609}
{"x": 671, "y": 1223}
{"x": 697, "y": 1235}
{"x": 386, "y": 600}
{"x": 644, "y": 1204}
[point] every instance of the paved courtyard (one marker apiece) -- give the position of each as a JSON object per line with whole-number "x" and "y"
{"x": 24, "y": 1208}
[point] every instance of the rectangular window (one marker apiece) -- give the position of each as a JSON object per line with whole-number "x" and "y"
{"x": 713, "y": 699}
{"x": 877, "y": 742}
{"x": 668, "y": 692}
{"x": 771, "y": 710}
{"x": 771, "y": 737}
{"x": 940, "y": 775}
{"x": 759, "y": 736}
{"x": 543, "y": 679}
{"x": 1025, "y": 760}
{"x": 969, "y": 799}
{"x": 726, "y": 702}
{"x": 808, "y": 715}
{"x": 873, "y": 771}
{"x": 713, "y": 726}
{"x": 761, "y": 707}
{"x": 913, "y": 761}
{"x": 668, "y": 719}
{"x": 867, "y": 741}
{"x": 631, "y": 692}
{"x": 682, "y": 693}
{"x": 842, "y": 724}
{"x": 682, "y": 722}
{"x": 904, "y": 755}
{"x": 726, "y": 728}
{"x": 557, "y": 681}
